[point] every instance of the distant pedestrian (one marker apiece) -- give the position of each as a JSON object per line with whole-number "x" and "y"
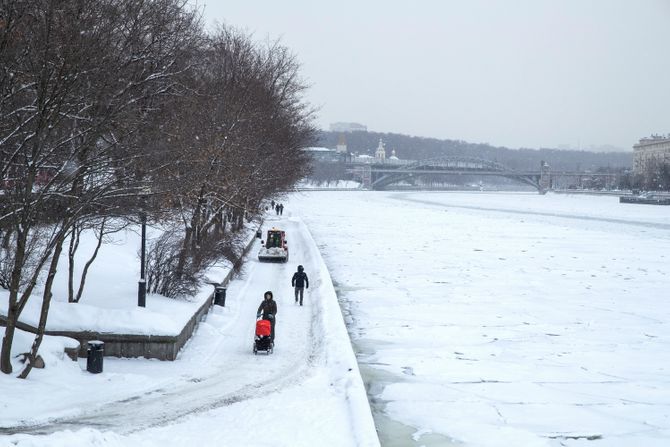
{"x": 300, "y": 282}
{"x": 277, "y": 209}
{"x": 268, "y": 310}
{"x": 281, "y": 209}
{"x": 272, "y": 203}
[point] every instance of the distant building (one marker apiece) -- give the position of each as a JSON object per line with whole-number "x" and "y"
{"x": 342, "y": 144}
{"x": 348, "y": 127}
{"x": 379, "y": 157}
{"x": 324, "y": 154}
{"x": 380, "y": 153}
{"x": 393, "y": 158}
{"x": 649, "y": 153}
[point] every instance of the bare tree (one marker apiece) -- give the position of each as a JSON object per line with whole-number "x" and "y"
{"x": 104, "y": 101}
{"x": 238, "y": 139}
{"x": 80, "y": 77}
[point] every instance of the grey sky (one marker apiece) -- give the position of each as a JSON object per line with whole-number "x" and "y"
{"x": 516, "y": 73}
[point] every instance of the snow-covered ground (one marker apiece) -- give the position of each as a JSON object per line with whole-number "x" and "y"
{"x": 308, "y": 392}
{"x": 480, "y": 319}
{"x": 502, "y": 319}
{"x": 109, "y": 299}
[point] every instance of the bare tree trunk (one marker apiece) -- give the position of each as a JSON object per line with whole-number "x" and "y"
{"x": 220, "y": 222}
{"x": 6, "y": 364}
{"x": 188, "y": 235}
{"x": 90, "y": 261}
{"x": 13, "y": 311}
{"x": 6, "y": 238}
{"x": 197, "y": 225}
{"x": 46, "y": 302}
{"x": 74, "y": 244}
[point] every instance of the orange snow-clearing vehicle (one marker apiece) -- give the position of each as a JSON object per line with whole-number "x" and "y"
{"x": 274, "y": 248}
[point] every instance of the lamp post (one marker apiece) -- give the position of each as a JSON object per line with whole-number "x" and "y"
{"x": 142, "y": 284}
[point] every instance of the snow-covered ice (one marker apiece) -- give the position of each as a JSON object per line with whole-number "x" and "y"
{"x": 499, "y": 319}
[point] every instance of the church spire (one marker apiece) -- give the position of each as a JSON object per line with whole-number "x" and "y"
{"x": 380, "y": 154}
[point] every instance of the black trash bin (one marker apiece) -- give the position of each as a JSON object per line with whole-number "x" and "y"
{"x": 95, "y": 353}
{"x": 220, "y": 296}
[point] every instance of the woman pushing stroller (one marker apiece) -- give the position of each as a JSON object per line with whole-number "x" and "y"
{"x": 268, "y": 310}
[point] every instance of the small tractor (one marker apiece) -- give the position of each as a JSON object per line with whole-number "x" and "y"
{"x": 274, "y": 248}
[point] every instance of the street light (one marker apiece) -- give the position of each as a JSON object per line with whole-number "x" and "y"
{"x": 142, "y": 283}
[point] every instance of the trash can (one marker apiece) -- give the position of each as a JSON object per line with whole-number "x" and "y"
{"x": 259, "y": 234}
{"x": 94, "y": 354}
{"x": 220, "y": 296}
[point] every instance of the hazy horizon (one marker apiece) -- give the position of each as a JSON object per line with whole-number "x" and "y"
{"x": 532, "y": 74}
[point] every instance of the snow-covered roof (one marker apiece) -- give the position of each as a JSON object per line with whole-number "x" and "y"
{"x": 318, "y": 149}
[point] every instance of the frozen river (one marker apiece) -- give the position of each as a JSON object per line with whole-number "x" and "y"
{"x": 501, "y": 319}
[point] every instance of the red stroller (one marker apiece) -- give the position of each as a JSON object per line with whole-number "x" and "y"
{"x": 262, "y": 339}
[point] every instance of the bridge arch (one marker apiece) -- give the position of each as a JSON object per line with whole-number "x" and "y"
{"x": 450, "y": 165}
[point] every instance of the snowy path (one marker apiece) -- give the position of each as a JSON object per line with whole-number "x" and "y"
{"x": 218, "y": 368}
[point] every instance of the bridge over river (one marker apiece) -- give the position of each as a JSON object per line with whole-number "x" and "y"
{"x": 379, "y": 175}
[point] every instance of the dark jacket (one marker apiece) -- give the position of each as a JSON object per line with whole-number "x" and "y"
{"x": 267, "y": 307}
{"x": 300, "y": 280}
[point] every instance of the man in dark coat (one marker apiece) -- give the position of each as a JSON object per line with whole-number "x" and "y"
{"x": 300, "y": 282}
{"x": 268, "y": 309}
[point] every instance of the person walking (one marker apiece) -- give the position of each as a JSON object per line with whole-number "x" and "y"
{"x": 281, "y": 209}
{"x": 300, "y": 282}
{"x": 268, "y": 309}
{"x": 277, "y": 209}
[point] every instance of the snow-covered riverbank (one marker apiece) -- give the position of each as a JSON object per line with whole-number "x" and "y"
{"x": 504, "y": 319}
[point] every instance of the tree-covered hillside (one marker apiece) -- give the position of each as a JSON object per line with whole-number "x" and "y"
{"x": 409, "y": 147}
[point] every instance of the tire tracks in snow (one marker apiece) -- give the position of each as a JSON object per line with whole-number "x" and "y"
{"x": 158, "y": 407}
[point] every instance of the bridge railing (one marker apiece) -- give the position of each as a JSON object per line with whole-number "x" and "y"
{"x": 372, "y": 161}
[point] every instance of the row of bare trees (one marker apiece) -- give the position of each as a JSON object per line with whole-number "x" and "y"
{"x": 109, "y": 108}
{"x": 655, "y": 177}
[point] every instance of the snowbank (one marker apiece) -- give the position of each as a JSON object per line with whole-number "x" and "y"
{"x": 340, "y": 359}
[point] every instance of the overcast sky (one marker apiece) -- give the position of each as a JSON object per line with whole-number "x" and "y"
{"x": 519, "y": 73}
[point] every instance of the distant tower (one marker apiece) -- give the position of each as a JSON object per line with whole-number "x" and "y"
{"x": 380, "y": 154}
{"x": 342, "y": 144}
{"x": 545, "y": 177}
